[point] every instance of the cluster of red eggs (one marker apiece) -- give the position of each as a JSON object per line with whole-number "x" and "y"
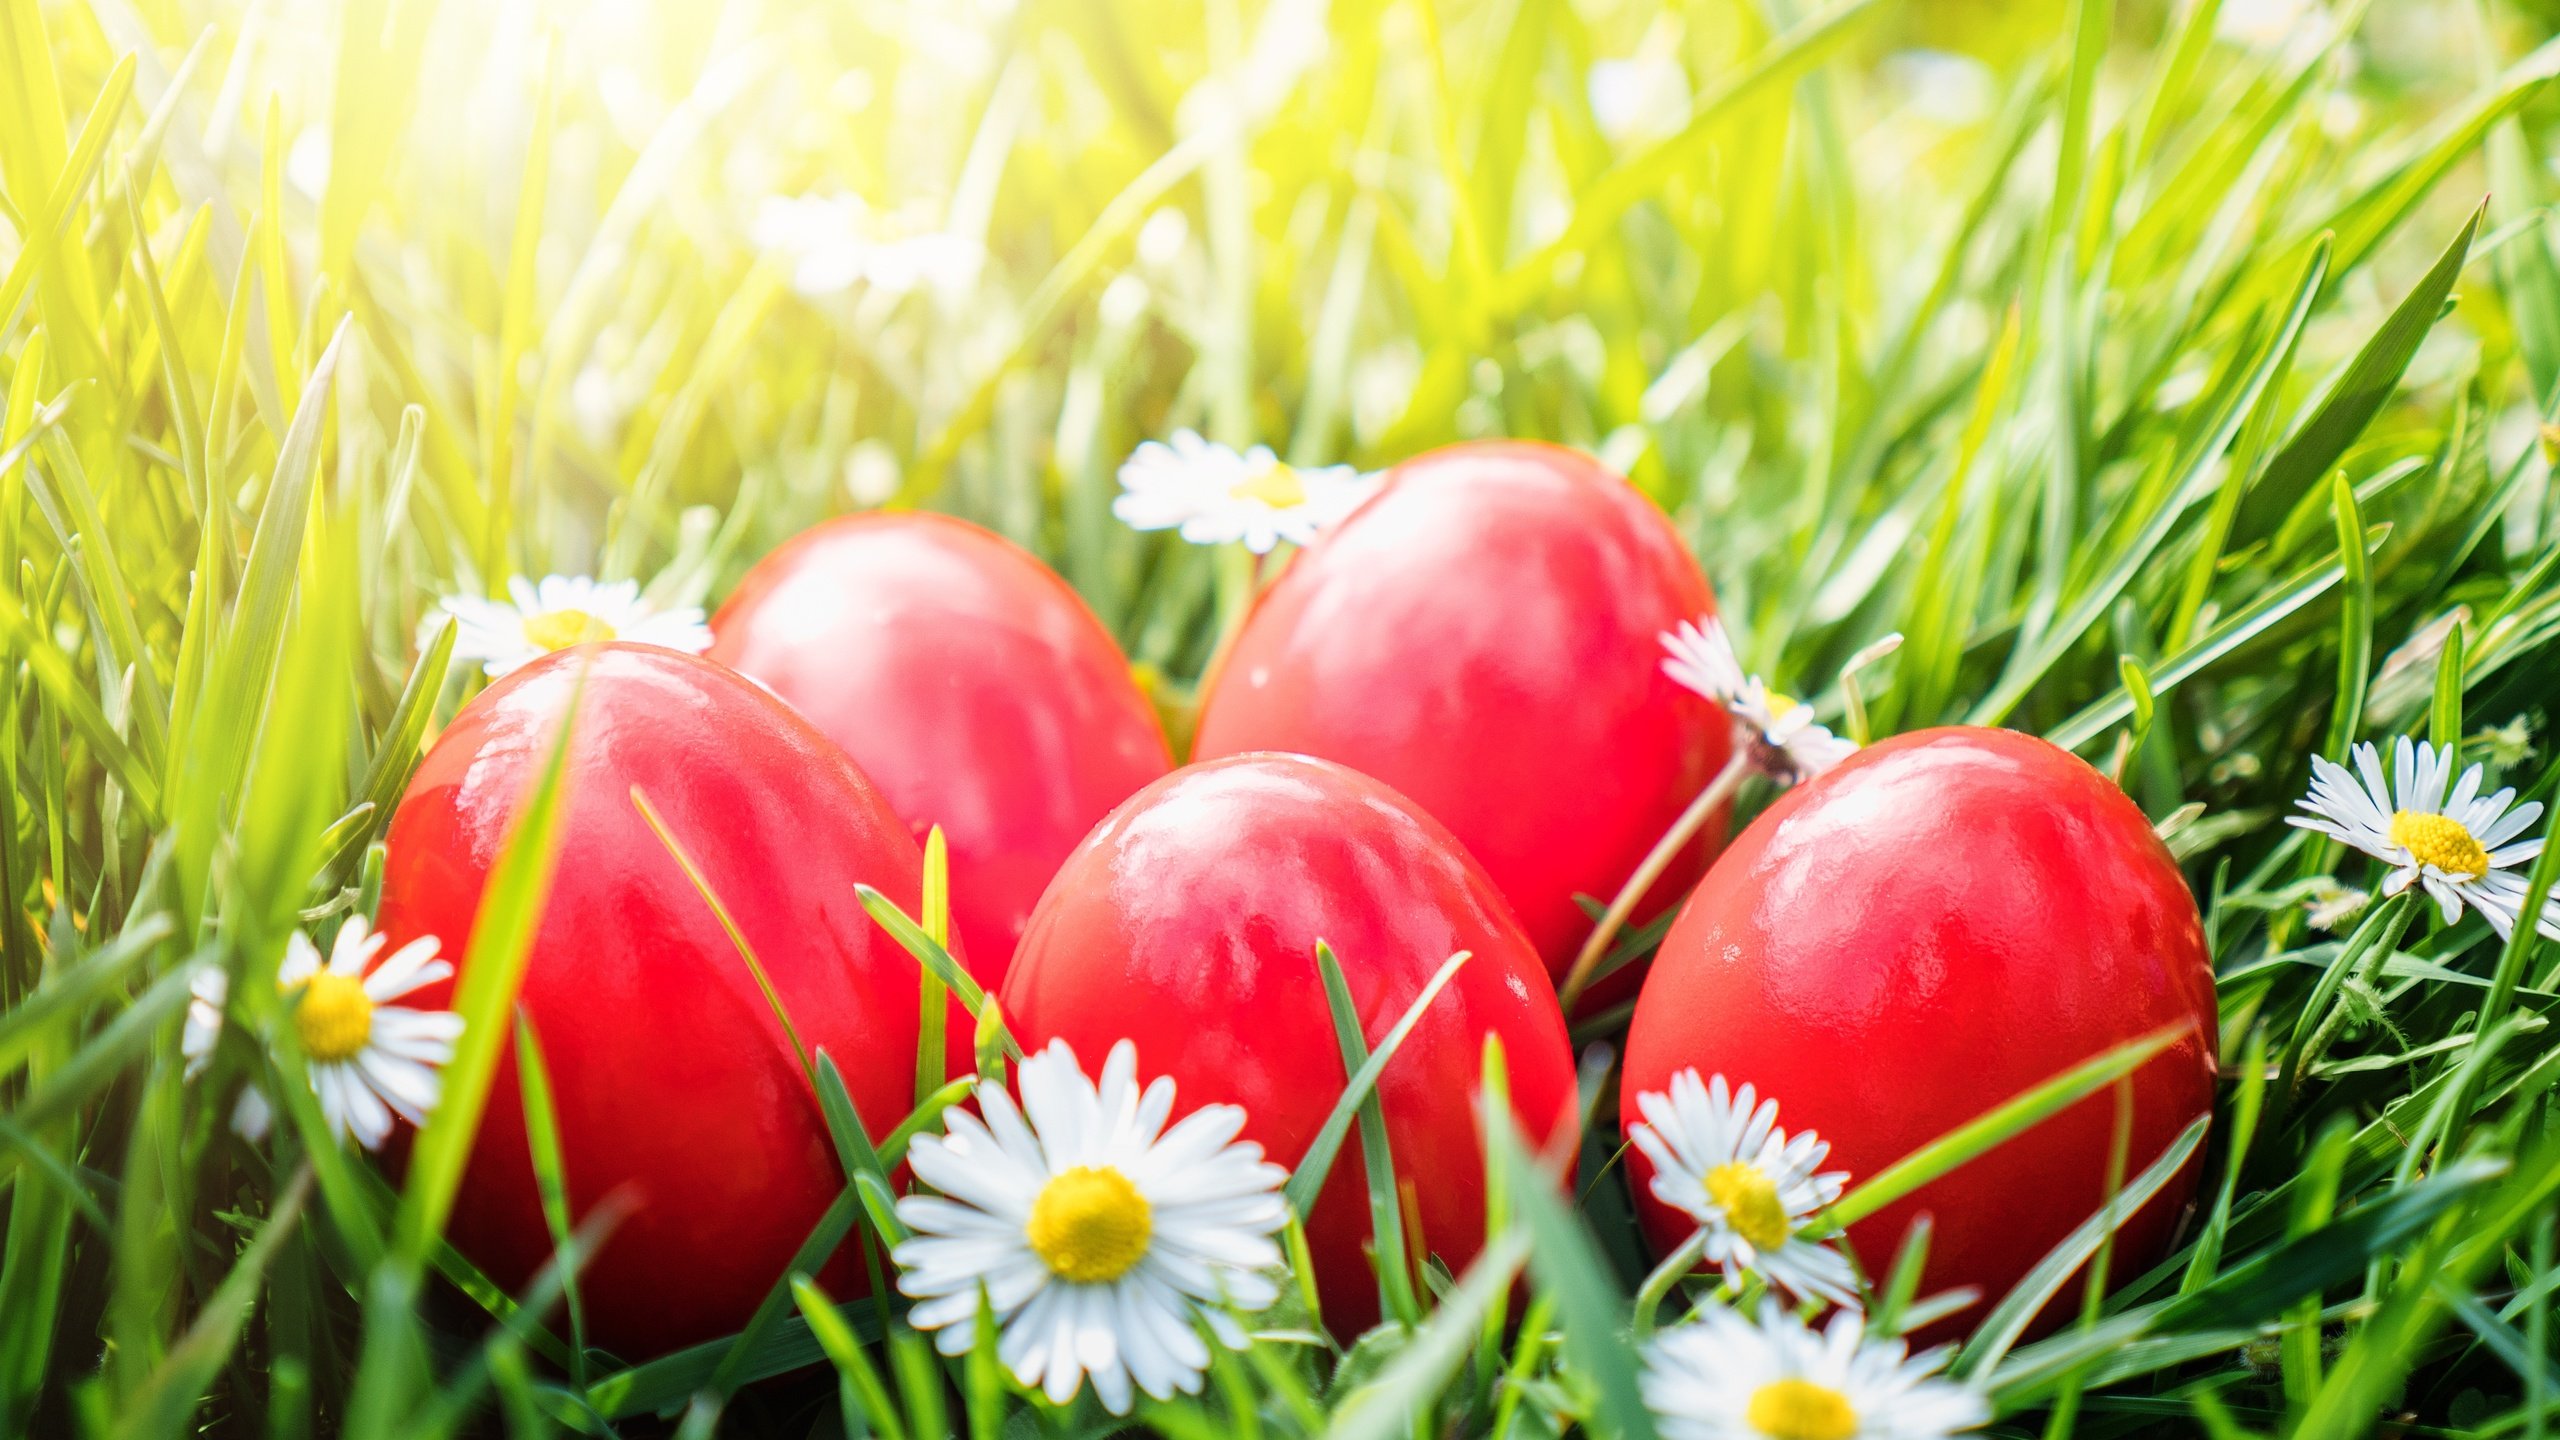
{"x": 1440, "y": 724}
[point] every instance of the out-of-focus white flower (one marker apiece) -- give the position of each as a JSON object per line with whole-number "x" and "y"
{"x": 306, "y": 161}
{"x": 1644, "y": 96}
{"x": 870, "y": 473}
{"x": 1382, "y": 385}
{"x": 832, "y": 242}
{"x": 1942, "y": 87}
{"x": 208, "y": 990}
{"x": 1214, "y": 495}
{"x": 2267, "y": 24}
{"x": 1161, "y": 239}
{"x": 561, "y": 611}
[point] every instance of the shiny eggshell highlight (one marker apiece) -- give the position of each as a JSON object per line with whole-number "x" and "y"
{"x": 1482, "y": 635}
{"x": 1945, "y": 920}
{"x": 1188, "y": 923}
{"x": 968, "y": 681}
{"x": 677, "y": 1091}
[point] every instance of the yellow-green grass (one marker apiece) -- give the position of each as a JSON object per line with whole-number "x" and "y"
{"x": 2166, "y": 392}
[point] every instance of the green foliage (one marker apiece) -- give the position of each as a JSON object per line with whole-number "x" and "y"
{"x": 2175, "y": 396}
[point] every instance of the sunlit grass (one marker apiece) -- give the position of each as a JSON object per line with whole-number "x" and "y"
{"x": 2164, "y": 383}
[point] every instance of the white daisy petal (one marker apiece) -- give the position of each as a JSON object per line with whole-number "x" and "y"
{"x": 559, "y": 611}
{"x": 1786, "y": 744}
{"x": 2435, "y": 829}
{"x": 1101, "y": 1239}
{"x": 368, "y": 1062}
{"x": 1724, "y": 1377}
{"x": 1719, "y": 1156}
{"x": 1212, "y": 495}
{"x": 208, "y": 990}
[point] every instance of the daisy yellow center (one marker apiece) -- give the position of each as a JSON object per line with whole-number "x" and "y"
{"x": 335, "y": 1016}
{"x": 1799, "y": 1409}
{"x": 1275, "y": 485}
{"x": 1090, "y": 1225}
{"x": 1779, "y": 705}
{"x": 560, "y": 629}
{"x": 2441, "y": 841}
{"x": 1749, "y": 1200}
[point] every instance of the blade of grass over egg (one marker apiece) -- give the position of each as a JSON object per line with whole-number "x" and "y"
{"x": 864, "y": 1170}
{"x": 1306, "y": 1182}
{"x": 930, "y": 954}
{"x": 2000, "y": 1124}
{"x": 932, "y": 996}
{"x": 729, "y": 926}
{"x": 1386, "y": 1222}
{"x": 492, "y": 972}
{"x": 2250, "y": 1098}
{"x": 2009, "y": 1319}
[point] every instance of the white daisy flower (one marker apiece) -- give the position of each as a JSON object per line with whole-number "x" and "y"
{"x": 1098, "y": 1236}
{"x": 833, "y": 242}
{"x": 1785, "y": 742}
{"x": 1726, "y": 1378}
{"x": 368, "y": 1059}
{"x": 1719, "y": 1155}
{"x": 561, "y": 611}
{"x": 1214, "y": 495}
{"x": 2460, "y": 847}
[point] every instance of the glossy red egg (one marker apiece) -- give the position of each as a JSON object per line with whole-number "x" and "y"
{"x": 1948, "y": 918}
{"x": 677, "y": 1090}
{"x": 968, "y": 681}
{"x": 1188, "y": 923}
{"x": 1482, "y": 636}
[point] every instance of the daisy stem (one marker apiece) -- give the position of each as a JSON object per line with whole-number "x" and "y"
{"x": 1586, "y": 965}
{"x": 2380, "y": 945}
{"x": 1676, "y": 1266}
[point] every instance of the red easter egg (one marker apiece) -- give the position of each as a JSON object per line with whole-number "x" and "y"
{"x": 677, "y": 1090}
{"x": 1188, "y": 923}
{"x": 1482, "y": 635}
{"x": 1946, "y": 919}
{"x": 968, "y": 681}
